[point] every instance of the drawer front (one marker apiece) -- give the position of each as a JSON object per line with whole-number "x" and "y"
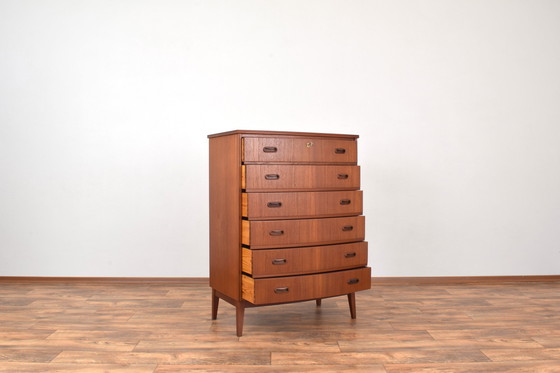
{"x": 302, "y": 260}
{"x": 297, "y": 288}
{"x": 299, "y": 150}
{"x": 265, "y": 178}
{"x": 301, "y": 204}
{"x": 306, "y": 232}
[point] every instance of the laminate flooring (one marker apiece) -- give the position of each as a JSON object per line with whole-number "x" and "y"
{"x": 165, "y": 328}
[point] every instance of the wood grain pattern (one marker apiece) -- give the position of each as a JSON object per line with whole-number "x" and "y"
{"x": 224, "y": 180}
{"x": 461, "y": 280}
{"x": 257, "y": 133}
{"x": 247, "y": 260}
{"x": 166, "y": 328}
{"x": 260, "y": 206}
{"x": 263, "y": 234}
{"x": 248, "y": 288}
{"x": 304, "y": 260}
{"x": 277, "y": 178}
{"x": 299, "y": 150}
{"x": 243, "y": 165}
{"x": 296, "y": 288}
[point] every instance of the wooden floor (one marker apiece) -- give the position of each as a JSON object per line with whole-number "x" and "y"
{"x": 49, "y": 327}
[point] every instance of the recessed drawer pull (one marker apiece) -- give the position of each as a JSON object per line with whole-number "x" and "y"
{"x": 279, "y": 261}
{"x": 340, "y": 151}
{"x": 342, "y": 176}
{"x": 270, "y": 149}
{"x": 347, "y": 228}
{"x": 274, "y": 204}
{"x": 345, "y": 201}
{"x": 350, "y": 255}
{"x": 281, "y": 290}
{"x": 276, "y": 233}
{"x": 353, "y": 281}
{"x": 272, "y": 176}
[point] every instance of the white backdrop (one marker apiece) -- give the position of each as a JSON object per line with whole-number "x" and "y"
{"x": 105, "y": 107}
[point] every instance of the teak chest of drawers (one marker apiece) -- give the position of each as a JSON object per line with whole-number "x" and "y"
{"x": 285, "y": 219}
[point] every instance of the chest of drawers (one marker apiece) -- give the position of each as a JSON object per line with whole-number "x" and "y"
{"x": 285, "y": 219}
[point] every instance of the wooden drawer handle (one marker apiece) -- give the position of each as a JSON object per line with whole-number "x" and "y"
{"x": 350, "y": 255}
{"x": 279, "y": 261}
{"x": 272, "y": 176}
{"x": 353, "y": 281}
{"x": 270, "y": 149}
{"x": 345, "y": 202}
{"x": 340, "y": 151}
{"x": 347, "y": 228}
{"x": 281, "y": 290}
{"x": 276, "y": 233}
{"x": 274, "y": 204}
{"x": 342, "y": 176}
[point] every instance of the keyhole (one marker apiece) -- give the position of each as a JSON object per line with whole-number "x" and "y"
{"x": 309, "y": 144}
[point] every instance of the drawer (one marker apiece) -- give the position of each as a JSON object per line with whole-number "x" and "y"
{"x": 255, "y": 178}
{"x": 299, "y": 150}
{"x": 297, "y": 288}
{"x": 305, "y": 232}
{"x": 301, "y": 260}
{"x": 301, "y": 204}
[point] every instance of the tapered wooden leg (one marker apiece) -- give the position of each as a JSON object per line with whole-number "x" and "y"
{"x": 239, "y": 314}
{"x": 215, "y": 301}
{"x": 318, "y": 301}
{"x": 352, "y": 304}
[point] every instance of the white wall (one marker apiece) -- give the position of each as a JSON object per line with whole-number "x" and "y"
{"x": 105, "y": 107}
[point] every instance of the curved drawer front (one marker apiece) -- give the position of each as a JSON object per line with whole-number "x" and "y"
{"x": 296, "y": 288}
{"x": 302, "y": 260}
{"x": 306, "y": 232}
{"x": 301, "y": 204}
{"x": 299, "y": 150}
{"x": 266, "y": 178}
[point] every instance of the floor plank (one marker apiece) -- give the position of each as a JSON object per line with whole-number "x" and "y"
{"x": 403, "y": 356}
{"x": 374, "y": 368}
{"x": 166, "y": 328}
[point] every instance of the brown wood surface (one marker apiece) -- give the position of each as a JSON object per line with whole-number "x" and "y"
{"x": 303, "y": 260}
{"x": 256, "y": 133}
{"x": 225, "y": 215}
{"x": 89, "y": 326}
{"x": 300, "y": 178}
{"x": 296, "y": 288}
{"x": 246, "y": 260}
{"x": 352, "y": 304}
{"x": 299, "y": 150}
{"x": 248, "y": 288}
{"x": 306, "y": 232}
{"x": 452, "y": 280}
{"x": 187, "y": 281}
{"x": 276, "y": 162}
{"x": 104, "y": 280}
{"x": 259, "y": 206}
